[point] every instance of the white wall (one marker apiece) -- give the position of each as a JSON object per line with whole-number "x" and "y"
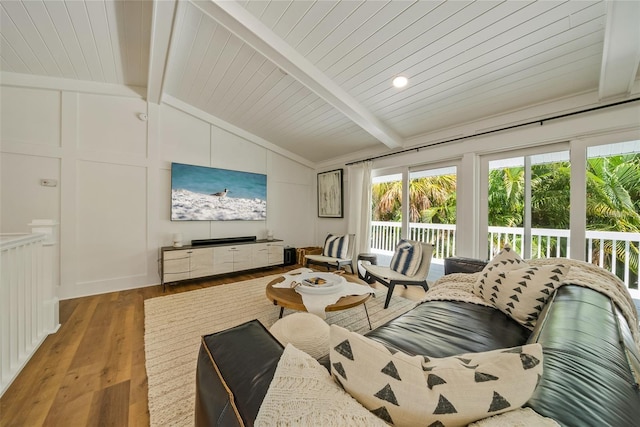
{"x": 113, "y": 172}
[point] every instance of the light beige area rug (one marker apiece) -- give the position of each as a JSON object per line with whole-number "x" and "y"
{"x": 174, "y": 324}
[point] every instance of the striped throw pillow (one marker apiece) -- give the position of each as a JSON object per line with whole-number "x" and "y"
{"x": 336, "y": 246}
{"x": 407, "y": 257}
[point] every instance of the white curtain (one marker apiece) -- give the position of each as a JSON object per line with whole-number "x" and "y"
{"x": 360, "y": 205}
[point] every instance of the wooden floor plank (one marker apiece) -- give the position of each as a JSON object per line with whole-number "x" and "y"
{"x": 110, "y": 406}
{"x": 92, "y": 371}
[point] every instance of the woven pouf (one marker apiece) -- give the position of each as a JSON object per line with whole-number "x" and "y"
{"x": 306, "y": 331}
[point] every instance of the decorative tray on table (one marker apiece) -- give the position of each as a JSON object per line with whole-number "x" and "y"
{"x": 319, "y": 283}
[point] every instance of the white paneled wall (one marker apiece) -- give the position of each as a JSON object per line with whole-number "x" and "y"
{"x": 112, "y": 169}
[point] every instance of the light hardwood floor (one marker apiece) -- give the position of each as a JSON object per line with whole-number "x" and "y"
{"x": 92, "y": 371}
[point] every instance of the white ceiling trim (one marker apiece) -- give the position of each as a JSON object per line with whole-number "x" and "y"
{"x": 71, "y": 85}
{"x": 621, "y": 53}
{"x": 164, "y": 13}
{"x": 215, "y": 121}
{"x": 253, "y": 32}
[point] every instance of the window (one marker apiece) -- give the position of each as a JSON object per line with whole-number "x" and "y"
{"x": 427, "y": 213}
{"x": 528, "y": 204}
{"x": 432, "y": 209}
{"x": 613, "y": 209}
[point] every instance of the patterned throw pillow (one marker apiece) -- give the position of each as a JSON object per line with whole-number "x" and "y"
{"x": 505, "y": 260}
{"x": 522, "y": 293}
{"x": 407, "y": 257}
{"x": 408, "y": 390}
{"x": 336, "y": 246}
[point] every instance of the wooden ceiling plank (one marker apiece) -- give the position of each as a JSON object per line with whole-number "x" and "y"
{"x": 494, "y": 86}
{"x": 11, "y": 59}
{"x": 337, "y": 17}
{"x": 404, "y": 45}
{"x": 430, "y": 47}
{"x": 12, "y": 41}
{"x": 50, "y": 37}
{"x": 516, "y": 99}
{"x": 497, "y": 60}
{"x": 291, "y": 17}
{"x": 294, "y": 94}
{"x": 462, "y": 52}
{"x": 182, "y": 60}
{"x": 118, "y": 40}
{"x": 496, "y": 89}
{"x": 352, "y": 24}
{"x": 256, "y": 7}
{"x": 102, "y": 38}
{"x": 215, "y": 44}
{"x": 253, "y": 32}
{"x": 386, "y": 39}
{"x": 254, "y": 80}
{"x": 301, "y": 109}
{"x": 264, "y": 104}
{"x": 221, "y": 66}
{"x": 83, "y": 32}
{"x": 274, "y": 12}
{"x": 21, "y": 32}
{"x": 234, "y": 69}
{"x": 64, "y": 27}
{"x": 6, "y": 64}
{"x": 267, "y": 76}
{"x": 307, "y": 22}
{"x": 244, "y": 78}
{"x": 545, "y": 60}
{"x": 621, "y": 53}
{"x": 393, "y": 12}
{"x": 163, "y": 16}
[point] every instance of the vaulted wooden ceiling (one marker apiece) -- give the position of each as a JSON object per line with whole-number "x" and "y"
{"x": 314, "y": 77}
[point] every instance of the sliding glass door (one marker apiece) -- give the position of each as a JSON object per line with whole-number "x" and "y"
{"x": 432, "y": 208}
{"x": 426, "y": 212}
{"x": 613, "y": 209}
{"x": 528, "y": 203}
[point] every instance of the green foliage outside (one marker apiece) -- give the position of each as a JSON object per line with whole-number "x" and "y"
{"x": 613, "y": 201}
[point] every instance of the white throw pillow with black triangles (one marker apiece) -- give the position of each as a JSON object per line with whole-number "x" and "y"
{"x": 408, "y": 390}
{"x": 522, "y": 293}
{"x": 505, "y": 260}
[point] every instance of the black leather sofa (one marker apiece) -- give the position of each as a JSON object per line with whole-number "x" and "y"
{"x": 589, "y": 357}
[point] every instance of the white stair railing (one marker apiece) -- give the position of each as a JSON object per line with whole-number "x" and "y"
{"x": 26, "y": 289}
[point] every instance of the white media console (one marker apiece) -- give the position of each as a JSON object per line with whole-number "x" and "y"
{"x": 203, "y": 260}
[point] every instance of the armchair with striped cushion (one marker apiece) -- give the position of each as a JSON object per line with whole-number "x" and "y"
{"x": 409, "y": 266}
{"x": 337, "y": 252}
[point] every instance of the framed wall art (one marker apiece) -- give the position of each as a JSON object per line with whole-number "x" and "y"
{"x": 330, "y": 197}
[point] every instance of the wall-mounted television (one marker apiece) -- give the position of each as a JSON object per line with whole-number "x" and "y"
{"x": 200, "y": 193}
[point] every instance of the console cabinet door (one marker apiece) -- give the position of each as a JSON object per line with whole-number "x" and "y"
{"x": 276, "y": 253}
{"x": 223, "y": 260}
{"x": 260, "y": 255}
{"x": 202, "y": 262}
{"x": 176, "y": 265}
{"x": 242, "y": 258}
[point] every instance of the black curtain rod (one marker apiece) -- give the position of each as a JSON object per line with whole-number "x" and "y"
{"x": 540, "y": 121}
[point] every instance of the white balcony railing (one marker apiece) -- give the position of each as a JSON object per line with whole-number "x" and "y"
{"x": 607, "y": 249}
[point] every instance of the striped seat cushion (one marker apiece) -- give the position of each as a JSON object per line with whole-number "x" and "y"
{"x": 407, "y": 257}
{"x": 336, "y": 246}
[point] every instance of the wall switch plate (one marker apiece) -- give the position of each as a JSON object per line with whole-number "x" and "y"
{"x": 49, "y": 182}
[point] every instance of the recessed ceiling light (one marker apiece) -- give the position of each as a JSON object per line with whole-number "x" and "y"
{"x": 400, "y": 81}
